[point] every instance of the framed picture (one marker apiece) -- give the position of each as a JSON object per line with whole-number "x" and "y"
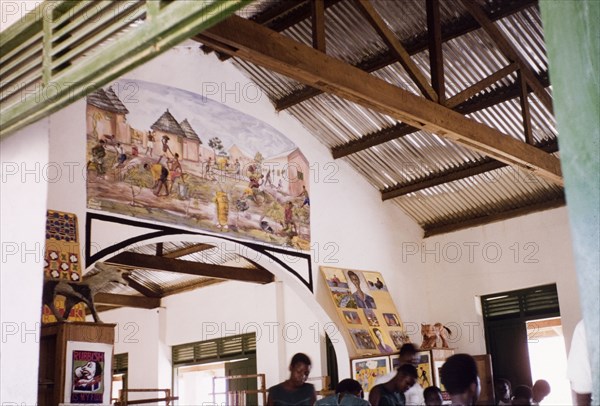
{"x": 424, "y": 369}
{"x": 88, "y": 373}
{"x": 437, "y": 366}
{"x": 367, "y": 370}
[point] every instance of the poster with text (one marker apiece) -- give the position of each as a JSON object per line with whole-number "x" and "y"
{"x": 88, "y": 373}
{"x": 366, "y": 310}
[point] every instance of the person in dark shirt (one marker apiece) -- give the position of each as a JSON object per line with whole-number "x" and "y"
{"x": 459, "y": 377}
{"x": 391, "y": 393}
{"x": 294, "y": 390}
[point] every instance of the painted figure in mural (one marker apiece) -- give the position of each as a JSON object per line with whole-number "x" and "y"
{"x": 222, "y": 206}
{"x": 98, "y": 154}
{"x": 288, "y": 217}
{"x": 121, "y": 156}
{"x": 304, "y": 194}
{"x": 175, "y": 169}
{"x": 165, "y": 145}
{"x": 150, "y": 143}
{"x": 160, "y": 175}
{"x": 237, "y": 166}
{"x": 363, "y": 300}
{"x": 381, "y": 345}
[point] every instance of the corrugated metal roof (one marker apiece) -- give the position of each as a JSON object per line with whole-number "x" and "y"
{"x": 470, "y": 56}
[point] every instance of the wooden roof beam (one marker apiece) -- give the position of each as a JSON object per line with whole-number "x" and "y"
{"x": 496, "y": 96}
{"x": 318, "y": 24}
{"x": 143, "y": 261}
{"x": 140, "y": 302}
{"x": 509, "y": 51}
{"x": 261, "y": 46}
{"x": 461, "y": 26}
{"x": 389, "y": 37}
{"x": 465, "y": 170}
{"x": 436, "y": 55}
{"x": 435, "y": 229}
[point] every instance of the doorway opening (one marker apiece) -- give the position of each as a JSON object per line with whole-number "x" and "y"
{"x": 545, "y": 336}
{"x": 524, "y": 337}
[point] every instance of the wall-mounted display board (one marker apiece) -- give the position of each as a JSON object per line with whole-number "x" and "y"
{"x": 366, "y": 310}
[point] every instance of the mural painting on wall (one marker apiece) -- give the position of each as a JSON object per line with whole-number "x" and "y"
{"x": 366, "y": 309}
{"x": 169, "y": 155}
{"x": 62, "y": 261}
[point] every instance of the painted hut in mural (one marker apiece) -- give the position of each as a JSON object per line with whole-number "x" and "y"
{"x": 191, "y": 142}
{"x": 106, "y": 117}
{"x": 167, "y": 126}
{"x": 291, "y": 168}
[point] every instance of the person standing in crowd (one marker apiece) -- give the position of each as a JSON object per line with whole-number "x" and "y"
{"x": 502, "y": 391}
{"x": 540, "y": 389}
{"x": 392, "y": 392}
{"x": 294, "y": 390}
{"x": 348, "y": 392}
{"x": 459, "y": 377}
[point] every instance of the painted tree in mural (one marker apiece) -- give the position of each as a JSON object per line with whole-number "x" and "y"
{"x": 216, "y": 144}
{"x": 258, "y": 158}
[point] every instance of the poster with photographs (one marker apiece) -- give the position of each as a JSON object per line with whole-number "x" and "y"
{"x": 366, "y": 310}
{"x": 88, "y": 373}
{"x": 367, "y": 370}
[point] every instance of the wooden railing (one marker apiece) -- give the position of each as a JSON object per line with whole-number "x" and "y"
{"x": 123, "y": 397}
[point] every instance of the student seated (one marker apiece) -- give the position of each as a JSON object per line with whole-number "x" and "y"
{"x": 433, "y": 396}
{"x": 391, "y": 393}
{"x": 522, "y": 396}
{"x": 540, "y": 389}
{"x": 459, "y": 377}
{"x": 294, "y": 390}
{"x": 348, "y": 392}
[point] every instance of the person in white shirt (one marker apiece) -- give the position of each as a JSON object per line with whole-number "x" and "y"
{"x": 578, "y": 368}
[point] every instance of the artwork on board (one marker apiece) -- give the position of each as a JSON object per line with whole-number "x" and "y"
{"x": 169, "y": 155}
{"x": 362, "y": 339}
{"x": 368, "y": 312}
{"x": 88, "y": 373}
{"x": 351, "y": 317}
{"x": 424, "y": 369}
{"x": 366, "y": 371}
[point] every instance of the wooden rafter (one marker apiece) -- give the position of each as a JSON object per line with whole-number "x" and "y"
{"x": 460, "y": 26}
{"x": 318, "y": 24}
{"x": 140, "y": 302}
{"x": 463, "y": 171}
{"x": 192, "y": 249}
{"x": 271, "y": 50}
{"x": 525, "y": 109}
{"x": 509, "y": 51}
{"x": 143, "y": 261}
{"x": 436, "y": 57}
{"x": 499, "y": 94}
{"x": 484, "y": 83}
{"x": 394, "y": 44}
{"x": 435, "y": 229}
{"x": 144, "y": 290}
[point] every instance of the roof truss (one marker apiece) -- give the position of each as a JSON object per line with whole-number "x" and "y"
{"x": 259, "y": 45}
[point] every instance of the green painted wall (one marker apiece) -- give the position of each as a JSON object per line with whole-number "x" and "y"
{"x": 572, "y": 31}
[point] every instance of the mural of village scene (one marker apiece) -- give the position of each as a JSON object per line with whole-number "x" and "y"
{"x": 168, "y": 155}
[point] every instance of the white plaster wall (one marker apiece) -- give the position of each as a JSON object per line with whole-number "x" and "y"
{"x": 23, "y": 156}
{"x": 524, "y": 252}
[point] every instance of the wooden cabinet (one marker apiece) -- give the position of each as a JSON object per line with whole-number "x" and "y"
{"x": 54, "y": 359}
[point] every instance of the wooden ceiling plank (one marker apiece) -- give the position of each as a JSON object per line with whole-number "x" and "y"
{"x": 144, "y": 261}
{"x": 525, "y": 112}
{"x": 471, "y": 91}
{"x": 458, "y": 27}
{"x": 140, "y": 302}
{"x": 509, "y": 51}
{"x": 271, "y": 50}
{"x": 432, "y": 230}
{"x": 318, "y": 24}
{"x": 436, "y": 55}
{"x": 389, "y": 37}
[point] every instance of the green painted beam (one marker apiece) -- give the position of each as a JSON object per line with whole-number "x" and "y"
{"x": 173, "y": 24}
{"x": 571, "y": 30}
